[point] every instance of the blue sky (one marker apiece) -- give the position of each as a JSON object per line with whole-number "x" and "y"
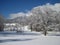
{"x": 14, "y": 6}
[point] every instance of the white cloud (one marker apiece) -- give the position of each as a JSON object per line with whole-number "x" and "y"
{"x": 12, "y": 16}
{"x": 17, "y": 15}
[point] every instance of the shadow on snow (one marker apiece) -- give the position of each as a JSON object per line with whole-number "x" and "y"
{"x": 10, "y": 40}
{"x": 17, "y": 33}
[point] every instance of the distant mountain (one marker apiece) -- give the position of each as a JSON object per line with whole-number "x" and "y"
{"x": 20, "y": 19}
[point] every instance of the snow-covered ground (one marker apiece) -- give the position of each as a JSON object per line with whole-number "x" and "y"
{"x": 28, "y": 38}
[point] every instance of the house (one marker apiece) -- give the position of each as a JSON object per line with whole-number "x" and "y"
{"x": 13, "y": 27}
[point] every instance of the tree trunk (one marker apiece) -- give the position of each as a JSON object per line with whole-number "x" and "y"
{"x": 44, "y": 31}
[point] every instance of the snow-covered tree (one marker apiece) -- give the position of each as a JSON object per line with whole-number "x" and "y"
{"x": 45, "y": 18}
{"x": 1, "y": 23}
